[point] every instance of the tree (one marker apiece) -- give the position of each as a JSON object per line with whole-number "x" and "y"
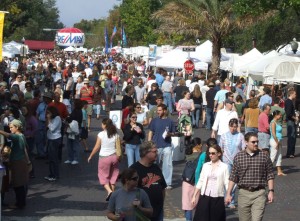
{"x": 135, "y": 16}
{"x": 206, "y": 18}
{"x": 27, "y": 18}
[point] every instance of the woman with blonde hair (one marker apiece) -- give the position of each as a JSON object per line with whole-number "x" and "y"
{"x": 251, "y": 116}
{"x": 197, "y": 98}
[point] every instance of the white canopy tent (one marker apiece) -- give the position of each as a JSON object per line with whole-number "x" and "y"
{"x": 12, "y": 48}
{"x": 70, "y": 49}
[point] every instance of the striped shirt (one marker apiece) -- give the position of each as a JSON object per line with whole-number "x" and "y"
{"x": 231, "y": 144}
{"x": 252, "y": 171}
{"x": 86, "y": 94}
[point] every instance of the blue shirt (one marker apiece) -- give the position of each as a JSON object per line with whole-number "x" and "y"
{"x": 41, "y": 111}
{"x": 278, "y": 131}
{"x": 158, "y": 127}
{"x": 159, "y": 79}
{"x": 264, "y": 100}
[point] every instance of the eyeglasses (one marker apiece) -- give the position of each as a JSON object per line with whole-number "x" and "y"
{"x": 134, "y": 178}
{"x": 212, "y": 153}
{"x": 254, "y": 141}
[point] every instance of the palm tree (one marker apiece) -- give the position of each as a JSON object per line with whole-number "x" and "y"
{"x": 207, "y": 18}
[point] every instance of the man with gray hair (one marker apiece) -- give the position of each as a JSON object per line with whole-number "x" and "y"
{"x": 151, "y": 178}
{"x": 264, "y": 127}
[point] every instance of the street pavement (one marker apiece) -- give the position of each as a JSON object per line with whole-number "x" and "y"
{"x": 77, "y": 195}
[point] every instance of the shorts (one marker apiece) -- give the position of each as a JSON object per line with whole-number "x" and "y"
{"x": 89, "y": 109}
{"x": 97, "y": 108}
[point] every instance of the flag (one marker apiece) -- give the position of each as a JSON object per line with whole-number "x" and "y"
{"x": 1, "y": 32}
{"x": 124, "y": 39}
{"x": 106, "y": 40}
{"x": 112, "y": 36}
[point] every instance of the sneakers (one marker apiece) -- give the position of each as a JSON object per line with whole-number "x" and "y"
{"x": 74, "y": 162}
{"x": 68, "y": 161}
{"x": 51, "y": 179}
{"x": 169, "y": 187}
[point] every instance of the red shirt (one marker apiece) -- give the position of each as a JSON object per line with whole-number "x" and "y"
{"x": 62, "y": 109}
{"x": 263, "y": 123}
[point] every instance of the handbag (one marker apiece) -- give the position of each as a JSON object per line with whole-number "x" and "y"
{"x": 118, "y": 147}
{"x": 188, "y": 174}
{"x": 139, "y": 215}
{"x": 29, "y": 164}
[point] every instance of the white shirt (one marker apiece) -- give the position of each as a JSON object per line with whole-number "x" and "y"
{"x": 54, "y": 126}
{"x": 221, "y": 123}
{"x": 192, "y": 86}
{"x": 75, "y": 75}
{"x": 222, "y": 179}
{"x": 149, "y": 83}
{"x": 203, "y": 90}
{"x": 108, "y": 145}
{"x": 88, "y": 72}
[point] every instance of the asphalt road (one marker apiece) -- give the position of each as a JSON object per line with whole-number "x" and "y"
{"x": 77, "y": 195}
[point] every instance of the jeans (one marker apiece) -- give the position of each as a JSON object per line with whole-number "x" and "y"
{"x": 40, "y": 139}
{"x": 168, "y": 101}
{"x": 209, "y": 117}
{"x": 188, "y": 215}
{"x": 97, "y": 108}
{"x": 196, "y": 116}
{"x": 133, "y": 153}
{"x": 73, "y": 149}
{"x": 53, "y": 146}
{"x": 291, "y": 135}
{"x": 251, "y": 129}
{"x": 165, "y": 155}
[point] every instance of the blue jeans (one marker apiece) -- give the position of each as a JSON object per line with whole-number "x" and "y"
{"x": 133, "y": 153}
{"x": 40, "y": 139}
{"x": 251, "y": 129}
{"x": 53, "y": 146}
{"x": 291, "y": 135}
{"x": 168, "y": 101}
{"x": 232, "y": 203}
{"x": 97, "y": 108}
{"x": 196, "y": 116}
{"x": 165, "y": 155}
{"x": 188, "y": 215}
{"x": 209, "y": 117}
{"x": 73, "y": 149}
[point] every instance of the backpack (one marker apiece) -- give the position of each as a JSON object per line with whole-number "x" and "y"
{"x": 188, "y": 174}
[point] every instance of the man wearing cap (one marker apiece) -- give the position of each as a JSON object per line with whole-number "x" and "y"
{"x": 222, "y": 119}
{"x": 40, "y": 139}
{"x": 86, "y": 94}
{"x": 210, "y": 95}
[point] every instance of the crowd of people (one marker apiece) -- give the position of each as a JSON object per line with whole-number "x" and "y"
{"x": 49, "y": 100}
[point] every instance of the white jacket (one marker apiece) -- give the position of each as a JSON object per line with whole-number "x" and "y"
{"x": 222, "y": 178}
{"x": 73, "y": 129}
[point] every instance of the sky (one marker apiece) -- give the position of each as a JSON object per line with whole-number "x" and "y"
{"x": 73, "y": 11}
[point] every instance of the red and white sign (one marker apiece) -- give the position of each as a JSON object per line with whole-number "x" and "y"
{"x": 113, "y": 51}
{"x": 189, "y": 66}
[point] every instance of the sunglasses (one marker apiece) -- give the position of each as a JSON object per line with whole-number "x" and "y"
{"x": 254, "y": 142}
{"x": 134, "y": 117}
{"x": 134, "y": 178}
{"x": 138, "y": 107}
{"x": 212, "y": 153}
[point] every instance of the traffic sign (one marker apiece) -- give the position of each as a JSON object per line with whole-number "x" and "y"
{"x": 189, "y": 66}
{"x": 189, "y": 49}
{"x": 113, "y": 51}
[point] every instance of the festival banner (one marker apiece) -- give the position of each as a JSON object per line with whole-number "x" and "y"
{"x": 1, "y": 33}
{"x": 152, "y": 51}
{"x": 124, "y": 39}
{"x": 112, "y": 36}
{"x": 106, "y": 40}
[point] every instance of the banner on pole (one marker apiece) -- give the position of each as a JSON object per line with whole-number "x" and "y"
{"x": 1, "y": 33}
{"x": 152, "y": 51}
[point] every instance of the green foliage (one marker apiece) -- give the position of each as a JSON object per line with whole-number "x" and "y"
{"x": 135, "y": 16}
{"x": 27, "y": 18}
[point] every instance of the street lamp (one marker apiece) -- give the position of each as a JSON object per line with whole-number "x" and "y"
{"x": 294, "y": 45}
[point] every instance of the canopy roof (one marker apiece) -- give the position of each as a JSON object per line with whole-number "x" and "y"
{"x": 39, "y": 45}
